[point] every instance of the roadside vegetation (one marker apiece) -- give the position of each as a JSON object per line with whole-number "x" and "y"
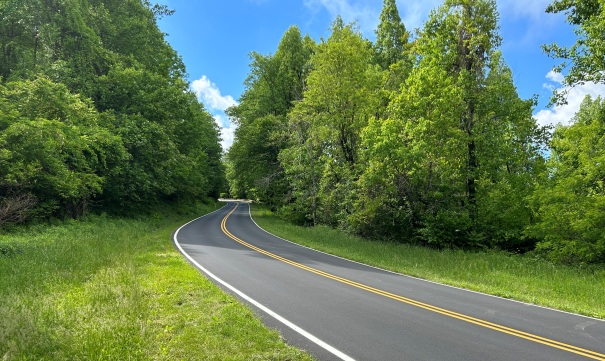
{"x": 109, "y": 288}
{"x": 96, "y": 114}
{"x": 409, "y": 142}
{"x": 521, "y": 277}
{"x": 422, "y": 138}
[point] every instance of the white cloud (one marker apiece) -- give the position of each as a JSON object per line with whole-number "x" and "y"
{"x": 364, "y": 12}
{"x": 415, "y": 13}
{"x": 563, "y": 114}
{"x": 533, "y": 9}
{"x": 227, "y": 130}
{"x": 208, "y": 93}
{"x": 227, "y": 135}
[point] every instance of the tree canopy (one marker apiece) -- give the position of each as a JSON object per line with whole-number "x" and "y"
{"x": 423, "y": 140}
{"x": 95, "y": 111}
{"x": 420, "y": 139}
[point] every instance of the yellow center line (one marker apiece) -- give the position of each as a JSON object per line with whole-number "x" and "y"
{"x": 493, "y": 326}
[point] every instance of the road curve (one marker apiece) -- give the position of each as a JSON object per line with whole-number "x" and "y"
{"x": 342, "y": 310}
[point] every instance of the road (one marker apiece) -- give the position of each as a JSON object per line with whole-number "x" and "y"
{"x": 342, "y": 310}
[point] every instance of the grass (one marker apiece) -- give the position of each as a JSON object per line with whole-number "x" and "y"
{"x": 573, "y": 289}
{"x": 117, "y": 289}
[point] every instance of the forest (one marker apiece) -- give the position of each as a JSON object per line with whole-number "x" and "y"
{"x": 96, "y": 113}
{"x": 422, "y": 137}
{"x": 416, "y": 137}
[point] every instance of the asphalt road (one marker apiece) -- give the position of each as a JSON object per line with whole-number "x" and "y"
{"x": 338, "y": 309}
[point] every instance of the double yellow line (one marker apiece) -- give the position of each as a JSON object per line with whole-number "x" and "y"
{"x": 493, "y": 326}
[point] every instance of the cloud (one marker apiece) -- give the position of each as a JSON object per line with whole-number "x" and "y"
{"x": 534, "y": 9}
{"x": 415, "y": 13}
{"x": 227, "y": 130}
{"x": 208, "y": 93}
{"x": 227, "y": 135}
{"x": 563, "y": 114}
{"x": 364, "y": 12}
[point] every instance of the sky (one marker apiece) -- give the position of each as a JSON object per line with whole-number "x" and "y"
{"x": 215, "y": 39}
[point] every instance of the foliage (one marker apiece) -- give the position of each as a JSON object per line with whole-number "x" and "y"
{"x": 452, "y": 163}
{"x": 275, "y": 83}
{"x": 171, "y": 140}
{"x": 584, "y": 59}
{"x": 53, "y": 147}
{"x": 324, "y": 127}
{"x": 572, "y": 202}
{"x": 95, "y": 111}
{"x": 424, "y": 141}
{"x": 391, "y": 36}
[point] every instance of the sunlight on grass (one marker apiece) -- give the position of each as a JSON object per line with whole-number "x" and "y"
{"x": 572, "y": 289}
{"x": 117, "y": 289}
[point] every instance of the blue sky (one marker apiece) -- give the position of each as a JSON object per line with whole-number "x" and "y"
{"x": 215, "y": 39}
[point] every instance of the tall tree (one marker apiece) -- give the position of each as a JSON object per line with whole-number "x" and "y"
{"x": 451, "y": 137}
{"x": 172, "y": 140}
{"x": 391, "y": 36}
{"x": 275, "y": 83}
{"x": 339, "y": 100}
{"x": 54, "y": 147}
{"x": 133, "y": 136}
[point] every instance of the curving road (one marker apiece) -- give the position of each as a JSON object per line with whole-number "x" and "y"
{"x": 338, "y": 309}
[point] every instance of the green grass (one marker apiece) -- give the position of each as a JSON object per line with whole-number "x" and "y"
{"x": 117, "y": 289}
{"x": 573, "y": 289}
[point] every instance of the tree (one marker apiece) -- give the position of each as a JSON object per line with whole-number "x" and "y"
{"x": 571, "y": 203}
{"x": 584, "y": 58}
{"x": 53, "y": 147}
{"x": 391, "y": 36}
{"x": 96, "y": 110}
{"x": 325, "y": 126}
{"x": 458, "y": 140}
{"x": 275, "y": 83}
{"x": 171, "y": 139}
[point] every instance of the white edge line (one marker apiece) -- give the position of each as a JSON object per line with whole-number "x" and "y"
{"x": 281, "y": 319}
{"x": 425, "y": 280}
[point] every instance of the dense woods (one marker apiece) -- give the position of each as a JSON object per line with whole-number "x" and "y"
{"x": 413, "y": 137}
{"x": 96, "y": 113}
{"x": 422, "y": 138}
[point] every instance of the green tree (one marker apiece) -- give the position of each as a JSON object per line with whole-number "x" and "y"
{"x": 584, "y": 58}
{"x": 52, "y": 145}
{"x": 571, "y": 204}
{"x": 171, "y": 139}
{"x": 391, "y": 36}
{"x": 74, "y": 41}
{"x": 325, "y": 126}
{"x": 458, "y": 140}
{"x": 275, "y": 83}
{"x": 134, "y": 136}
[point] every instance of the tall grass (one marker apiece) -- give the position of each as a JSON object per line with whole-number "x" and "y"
{"x": 116, "y": 289}
{"x": 574, "y": 289}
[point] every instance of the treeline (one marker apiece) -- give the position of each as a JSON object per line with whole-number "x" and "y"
{"x": 96, "y": 113}
{"x": 421, "y": 139}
